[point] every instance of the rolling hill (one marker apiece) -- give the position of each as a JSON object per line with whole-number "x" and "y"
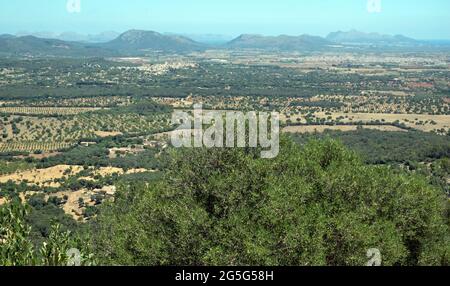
{"x": 138, "y": 41}
{"x": 74, "y": 36}
{"x": 281, "y": 43}
{"x": 133, "y": 42}
{"x": 33, "y": 46}
{"x": 6, "y": 36}
{"x": 356, "y": 37}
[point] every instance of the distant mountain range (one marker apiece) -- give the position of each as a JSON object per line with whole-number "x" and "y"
{"x": 208, "y": 39}
{"x": 33, "y": 46}
{"x": 138, "y": 42}
{"x": 6, "y": 36}
{"x": 282, "y": 43}
{"x": 356, "y": 37}
{"x": 74, "y": 37}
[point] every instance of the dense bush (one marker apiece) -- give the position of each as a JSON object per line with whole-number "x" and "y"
{"x": 378, "y": 147}
{"x": 313, "y": 205}
{"x": 17, "y": 249}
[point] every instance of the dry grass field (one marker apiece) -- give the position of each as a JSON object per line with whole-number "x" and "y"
{"x": 46, "y": 177}
{"x": 43, "y": 177}
{"x": 72, "y": 206}
{"x": 107, "y": 133}
{"x": 108, "y": 171}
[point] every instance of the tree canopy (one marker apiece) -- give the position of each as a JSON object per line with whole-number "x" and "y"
{"x": 316, "y": 204}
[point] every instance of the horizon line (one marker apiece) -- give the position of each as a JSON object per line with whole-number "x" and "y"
{"x": 233, "y": 36}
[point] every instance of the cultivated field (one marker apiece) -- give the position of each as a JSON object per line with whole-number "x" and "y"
{"x": 422, "y": 122}
{"x": 24, "y": 146}
{"x": 48, "y": 111}
{"x": 33, "y": 133}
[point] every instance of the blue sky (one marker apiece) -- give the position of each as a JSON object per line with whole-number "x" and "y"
{"x": 422, "y": 19}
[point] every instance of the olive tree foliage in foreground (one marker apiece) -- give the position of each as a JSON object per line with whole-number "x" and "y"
{"x": 17, "y": 249}
{"x": 312, "y": 205}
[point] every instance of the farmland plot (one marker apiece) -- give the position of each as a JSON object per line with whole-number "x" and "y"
{"x": 24, "y": 146}
{"x": 46, "y": 111}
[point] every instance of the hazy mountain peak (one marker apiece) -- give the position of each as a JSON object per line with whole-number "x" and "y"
{"x": 354, "y": 36}
{"x": 7, "y": 36}
{"x": 138, "y": 34}
{"x": 133, "y": 41}
{"x": 73, "y": 36}
{"x": 281, "y": 42}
